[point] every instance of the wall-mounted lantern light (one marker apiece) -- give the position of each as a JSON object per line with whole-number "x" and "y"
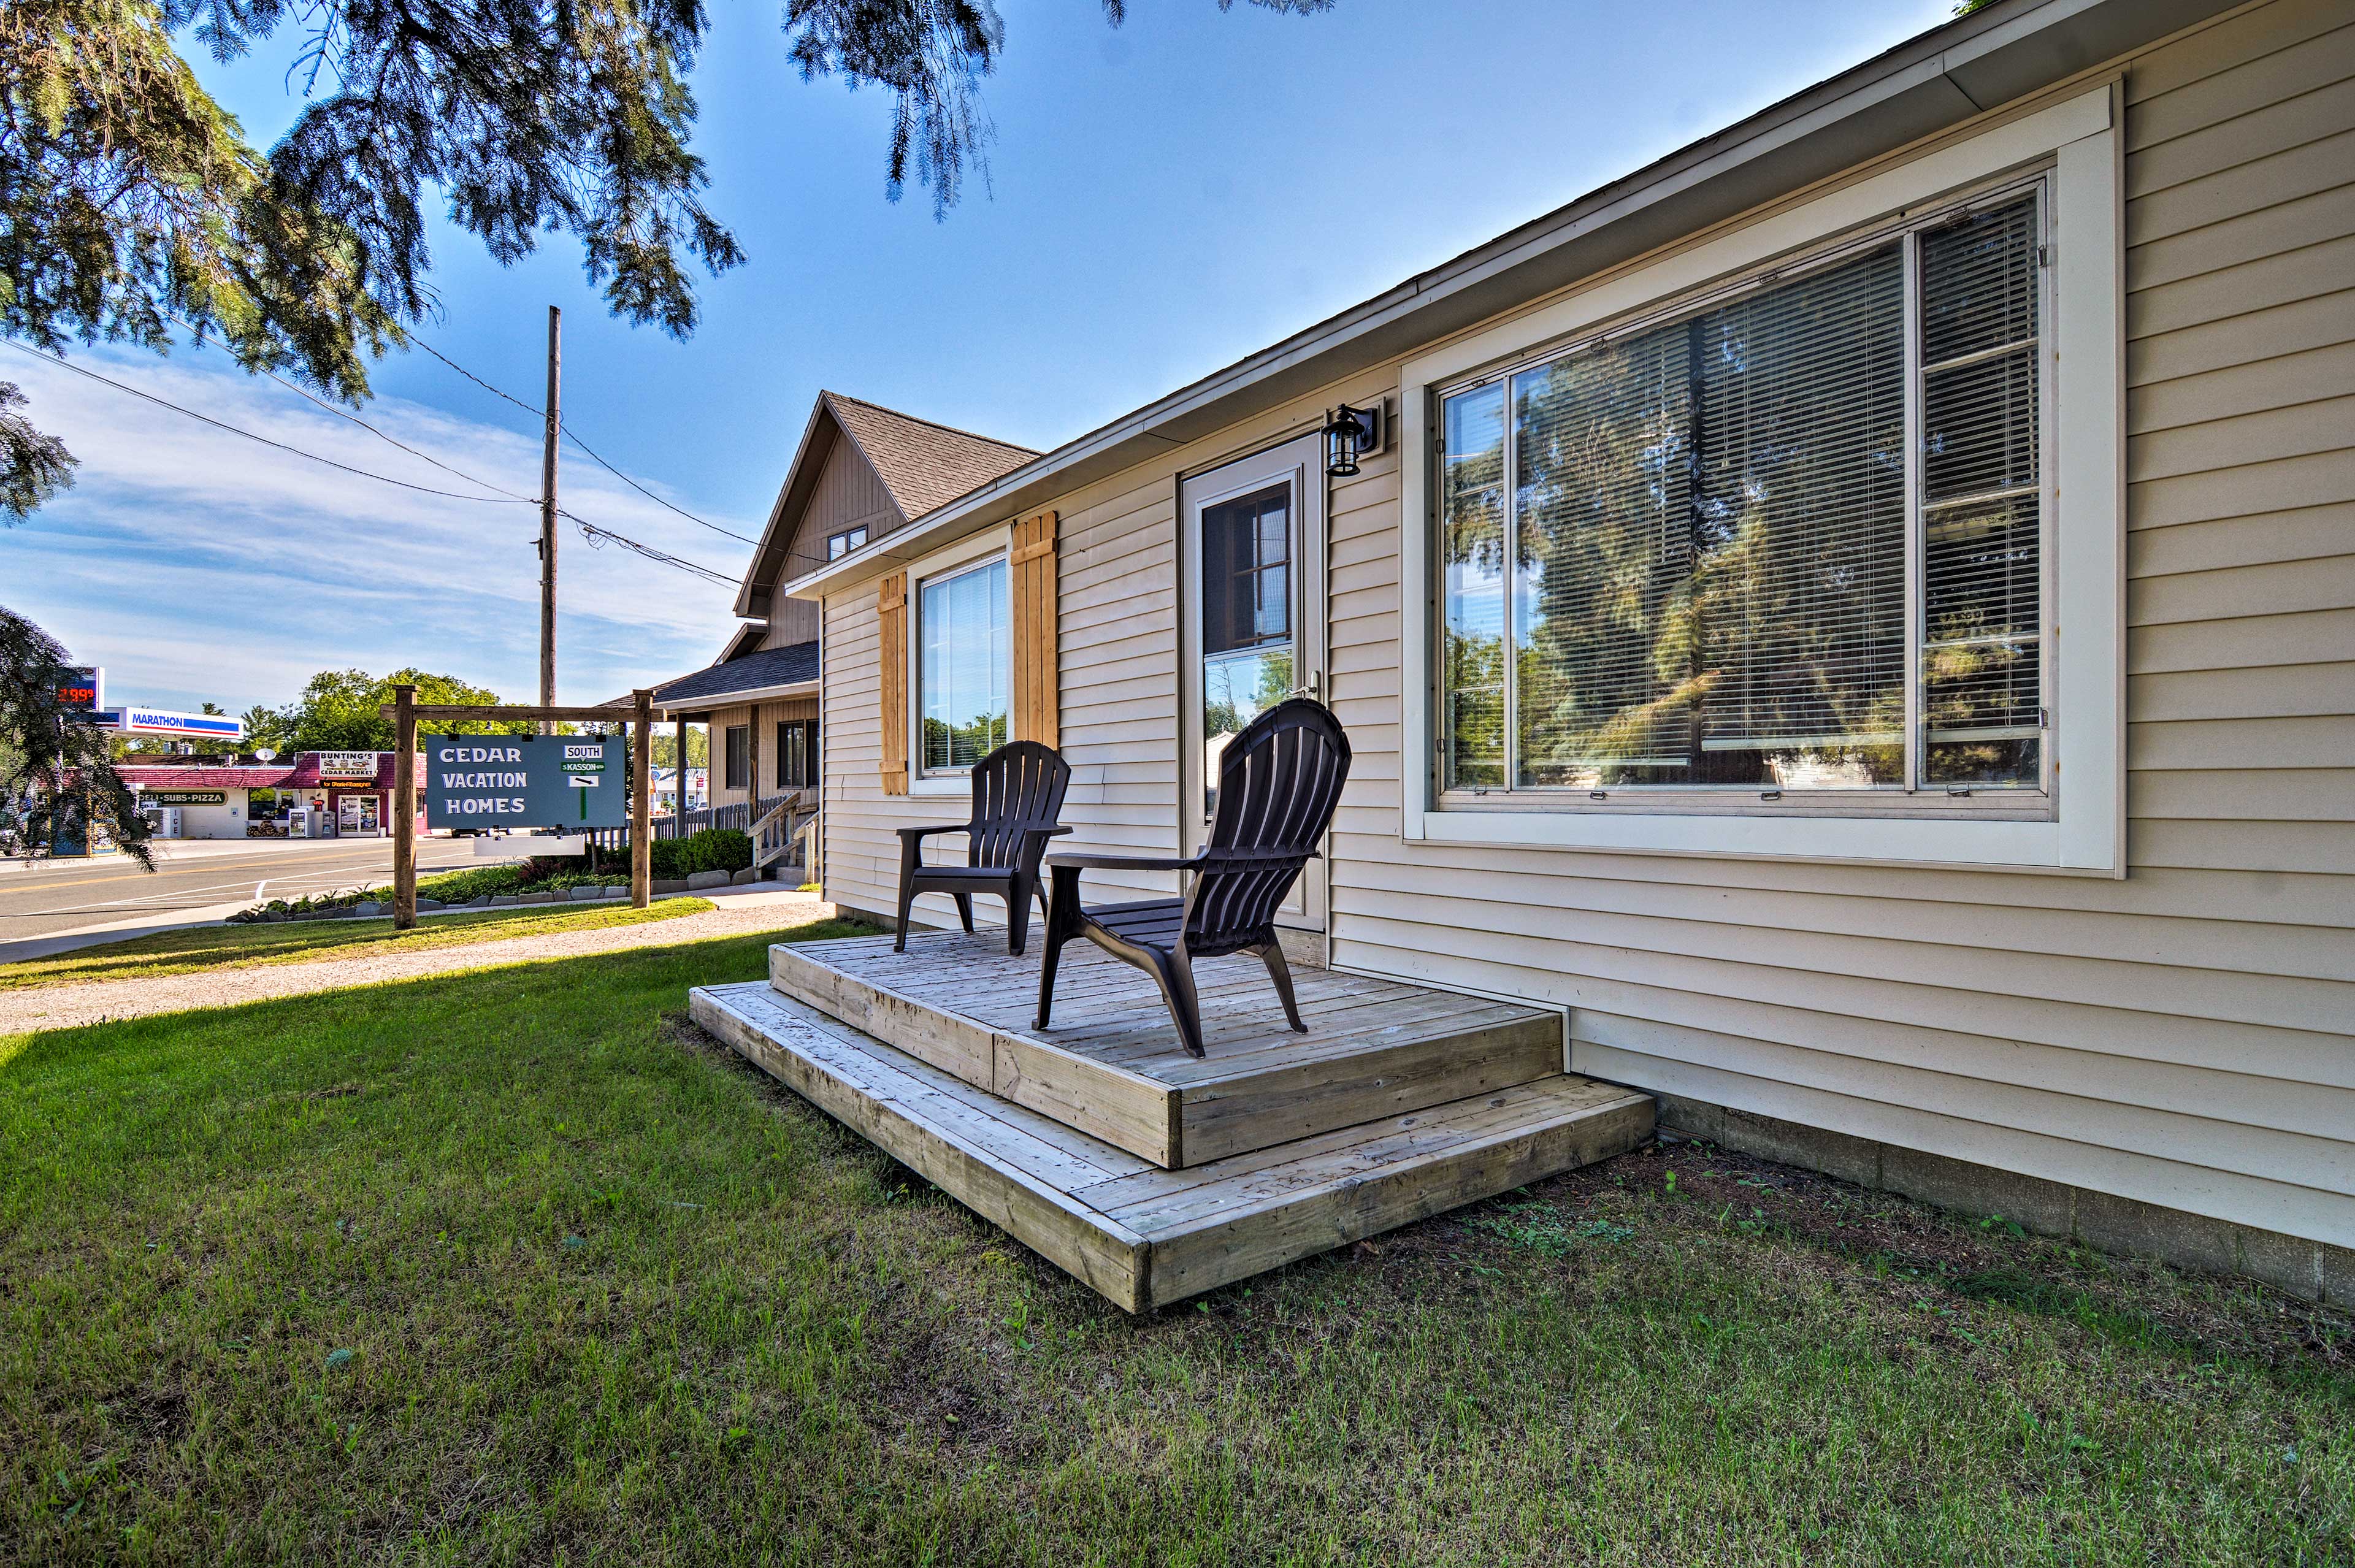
{"x": 1350, "y": 433}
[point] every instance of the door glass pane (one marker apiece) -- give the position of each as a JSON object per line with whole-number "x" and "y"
{"x": 1237, "y": 687}
{"x": 968, "y": 656}
{"x": 1472, "y": 563}
{"x": 1247, "y": 664}
{"x": 1246, "y": 571}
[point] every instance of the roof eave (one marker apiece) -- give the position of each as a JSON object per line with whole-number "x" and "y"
{"x": 708, "y": 702}
{"x": 753, "y": 572}
{"x": 1928, "y": 84}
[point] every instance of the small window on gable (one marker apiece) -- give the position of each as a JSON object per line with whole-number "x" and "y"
{"x": 843, "y": 543}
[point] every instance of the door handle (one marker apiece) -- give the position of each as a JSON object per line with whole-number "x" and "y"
{"x": 1314, "y": 688}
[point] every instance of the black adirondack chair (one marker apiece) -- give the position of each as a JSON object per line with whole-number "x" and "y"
{"x": 1017, "y": 793}
{"x": 1279, "y": 781}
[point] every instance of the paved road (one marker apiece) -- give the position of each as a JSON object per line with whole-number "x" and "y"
{"x": 193, "y": 880}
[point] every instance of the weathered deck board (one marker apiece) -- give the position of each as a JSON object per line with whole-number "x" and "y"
{"x": 1144, "y": 1236}
{"x": 1111, "y": 1066}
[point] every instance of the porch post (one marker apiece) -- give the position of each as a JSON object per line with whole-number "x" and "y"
{"x": 678, "y": 809}
{"x": 404, "y": 807}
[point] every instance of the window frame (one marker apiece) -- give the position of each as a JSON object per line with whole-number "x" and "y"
{"x": 843, "y": 539}
{"x": 736, "y": 761}
{"x": 2075, "y": 822}
{"x": 954, "y": 561}
{"x": 808, "y": 745}
{"x": 1911, "y": 797}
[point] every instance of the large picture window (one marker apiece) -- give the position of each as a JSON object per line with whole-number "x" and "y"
{"x": 1791, "y": 542}
{"x": 964, "y": 633}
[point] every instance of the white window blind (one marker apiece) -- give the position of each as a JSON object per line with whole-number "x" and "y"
{"x": 1982, "y": 517}
{"x": 1704, "y": 581}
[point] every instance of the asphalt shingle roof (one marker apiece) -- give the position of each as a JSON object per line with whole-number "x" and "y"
{"x": 923, "y": 464}
{"x": 753, "y": 672}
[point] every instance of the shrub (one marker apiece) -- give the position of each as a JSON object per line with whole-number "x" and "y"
{"x": 713, "y": 849}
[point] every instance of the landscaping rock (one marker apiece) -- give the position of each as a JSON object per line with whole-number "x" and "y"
{"x": 673, "y": 885}
{"x": 501, "y": 901}
{"x": 749, "y": 874}
{"x": 696, "y": 880}
{"x": 586, "y": 892}
{"x": 423, "y": 904}
{"x": 538, "y": 897}
{"x": 368, "y": 909}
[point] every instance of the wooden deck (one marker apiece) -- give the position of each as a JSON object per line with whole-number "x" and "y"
{"x": 1111, "y": 1065}
{"x": 1144, "y": 1235}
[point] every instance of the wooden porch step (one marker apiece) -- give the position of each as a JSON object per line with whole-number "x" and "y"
{"x": 1112, "y": 1066}
{"x": 1144, "y": 1236}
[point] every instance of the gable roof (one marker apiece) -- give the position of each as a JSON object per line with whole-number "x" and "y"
{"x": 922, "y": 466}
{"x": 1937, "y": 80}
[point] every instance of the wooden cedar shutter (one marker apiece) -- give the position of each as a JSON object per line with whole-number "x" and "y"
{"x": 1036, "y": 688}
{"x": 891, "y": 651}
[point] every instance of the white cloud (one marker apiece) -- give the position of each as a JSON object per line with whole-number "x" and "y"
{"x": 195, "y": 564}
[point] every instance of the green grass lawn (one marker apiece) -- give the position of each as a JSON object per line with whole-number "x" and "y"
{"x": 513, "y": 1265}
{"x": 236, "y": 946}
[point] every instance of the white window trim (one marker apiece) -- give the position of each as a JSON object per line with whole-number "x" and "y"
{"x": 2085, "y": 834}
{"x": 964, "y": 555}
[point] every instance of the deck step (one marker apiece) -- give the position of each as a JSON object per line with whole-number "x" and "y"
{"x": 1142, "y": 1235}
{"x": 1111, "y": 1065}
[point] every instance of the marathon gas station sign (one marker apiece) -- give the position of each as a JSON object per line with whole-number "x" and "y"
{"x": 167, "y": 721}
{"x": 525, "y": 781}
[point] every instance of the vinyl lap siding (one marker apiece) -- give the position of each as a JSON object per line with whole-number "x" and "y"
{"x": 2186, "y": 1037}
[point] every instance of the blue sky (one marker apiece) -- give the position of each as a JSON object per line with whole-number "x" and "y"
{"x": 1162, "y": 199}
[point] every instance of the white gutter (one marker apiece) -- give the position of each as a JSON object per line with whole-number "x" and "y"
{"x": 1960, "y": 69}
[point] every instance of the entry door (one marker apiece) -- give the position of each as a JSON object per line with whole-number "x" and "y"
{"x": 1252, "y": 626}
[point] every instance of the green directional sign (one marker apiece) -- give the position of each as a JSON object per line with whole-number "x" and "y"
{"x": 525, "y": 781}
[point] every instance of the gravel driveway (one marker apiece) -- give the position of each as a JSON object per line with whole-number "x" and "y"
{"x": 71, "y": 1006}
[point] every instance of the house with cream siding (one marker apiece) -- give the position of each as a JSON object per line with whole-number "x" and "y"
{"x": 1860, "y": 614}
{"x": 860, "y": 472}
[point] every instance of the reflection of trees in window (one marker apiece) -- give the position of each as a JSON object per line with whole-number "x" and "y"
{"x": 967, "y": 660}
{"x": 1710, "y": 586}
{"x": 1705, "y": 577}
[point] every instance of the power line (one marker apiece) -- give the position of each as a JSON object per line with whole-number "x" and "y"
{"x": 596, "y": 535}
{"x": 584, "y": 446}
{"x": 263, "y": 440}
{"x": 301, "y": 391}
{"x": 594, "y": 532}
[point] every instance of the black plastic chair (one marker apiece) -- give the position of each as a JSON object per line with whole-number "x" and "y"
{"x": 1279, "y": 781}
{"x": 1017, "y": 793}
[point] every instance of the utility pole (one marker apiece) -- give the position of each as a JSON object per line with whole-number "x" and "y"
{"x": 547, "y": 523}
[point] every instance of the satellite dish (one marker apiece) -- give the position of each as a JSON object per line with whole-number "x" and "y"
{"x": 266, "y": 753}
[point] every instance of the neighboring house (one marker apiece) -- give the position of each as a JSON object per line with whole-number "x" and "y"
{"x": 860, "y": 474}
{"x": 1860, "y": 612}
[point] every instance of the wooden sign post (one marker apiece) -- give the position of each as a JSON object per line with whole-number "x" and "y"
{"x": 405, "y": 711}
{"x": 404, "y": 807}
